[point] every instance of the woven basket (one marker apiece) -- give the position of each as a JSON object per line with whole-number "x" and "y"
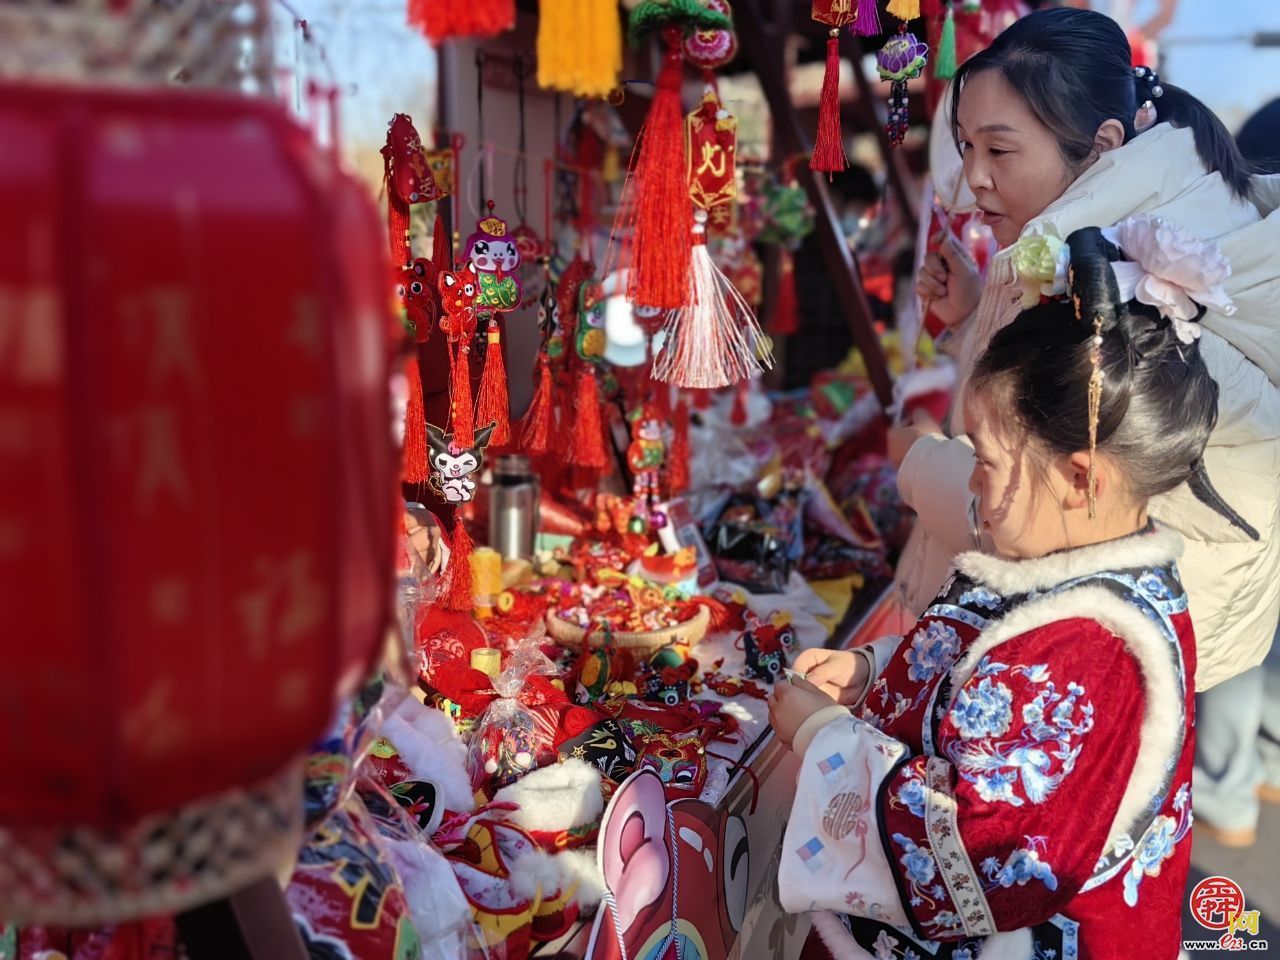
{"x": 690, "y": 632}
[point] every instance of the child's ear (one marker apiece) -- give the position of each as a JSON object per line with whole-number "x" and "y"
{"x": 1076, "y": 469}
{"x": 1109, "y": 136}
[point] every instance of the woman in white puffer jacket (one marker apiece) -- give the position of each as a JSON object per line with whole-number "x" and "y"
{"x": 1058, "y": 132}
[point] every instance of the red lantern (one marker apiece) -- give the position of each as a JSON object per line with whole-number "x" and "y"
{"x": 197, "y": 486}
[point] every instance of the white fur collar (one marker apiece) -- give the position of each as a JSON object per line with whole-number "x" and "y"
{"x": 1158, "y": 737}
{"x": 1152, "y": 548}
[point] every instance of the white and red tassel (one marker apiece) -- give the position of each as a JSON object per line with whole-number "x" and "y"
{"x": 715, "y": 341}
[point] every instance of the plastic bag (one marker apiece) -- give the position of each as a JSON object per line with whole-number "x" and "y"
{"x": 512, "y": 737}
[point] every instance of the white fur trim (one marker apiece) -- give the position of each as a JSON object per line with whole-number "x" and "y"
{"x": 1011, "y": 577}
{"x": 429, "y": 746}
{"x": 1158, "y": 736}
{"x": 558, "y": 797}
{"x": 539, "y": 875}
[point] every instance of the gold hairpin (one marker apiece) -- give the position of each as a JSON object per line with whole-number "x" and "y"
{"x": 1095, "y": 405}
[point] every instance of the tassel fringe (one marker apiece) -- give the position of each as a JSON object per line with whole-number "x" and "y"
{"x": 587, "y": 449}
{"x": 867, "y": 22}
{"x": 535, "y": 428}
{"x": 494, "y": 405}
{"x": 458, "y": 594}
{"x": 828, "y": 147}
{"x": 414, "y": 468}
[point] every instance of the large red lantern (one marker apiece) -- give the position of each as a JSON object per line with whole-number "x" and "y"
{"x": 197, "y": 488}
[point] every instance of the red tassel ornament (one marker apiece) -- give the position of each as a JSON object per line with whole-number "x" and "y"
{"x": 442, "y": 20}
{"x": 587, "y": 447}
{"x": 459, "y": 592}
{"x": 678, "y": 459}
{"x": 414, "y": 468}
{"x": 658, "y": 196}
{"x": 494, "y": 405}
{"x": 786, "y": 314}
{"x": 738, "y": 415}
{"x": 535, "y": 428}
{"x": 828, "y": 146}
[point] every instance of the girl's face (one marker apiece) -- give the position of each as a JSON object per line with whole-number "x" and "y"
{"x": 1019, "y": 501}
{"x": 1012, "y": 162}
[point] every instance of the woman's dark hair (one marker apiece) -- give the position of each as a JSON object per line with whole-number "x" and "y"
{"x": 1074, "y": 70}
{"x": 1159, "y": 403}
{"x": 1259, "y": 139}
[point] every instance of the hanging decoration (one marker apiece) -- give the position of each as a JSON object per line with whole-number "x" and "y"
{"x": 588, "y": 448}
{"x": 828, "y": 146}
{"x": 678, "y": 455}
{"x": 866, "y": 21}
{"x": 901, "y": 59}
{"x": 441, "y": 20}
{"x": 408, "y": 179}
{"x": 712, "y": 137}
{"x": 646, "y": 455}
{"x": 417, "y": 293}
{"x": 539, "y": 420}
{"x": 454, "y": 465}
{"x": 414, "y": 467}
{"x": 458, "y": 293}
{"x": 495, "y": 257}
{"x": 944, "y": 61}
{"x": 708, "y": 49}
{"x": 579, "y": 46}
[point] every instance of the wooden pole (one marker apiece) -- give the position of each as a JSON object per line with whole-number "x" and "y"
{"x": 836, "y": 254}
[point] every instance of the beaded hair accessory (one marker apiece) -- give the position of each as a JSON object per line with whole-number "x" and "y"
{"x": 1147, "y": 84}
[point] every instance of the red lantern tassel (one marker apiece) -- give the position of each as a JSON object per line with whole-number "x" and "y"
{"x": 659, "y": 193}
{"x": 414, "y": 468}
{"x": 587, "y": 449}
{"x": 828, "y": 148}
{"x": 678, "y": 471}
{"x": 701, "y": 399}
{"x": 398, "y": 231}
{"x": 535, "y": 428}
{"x": 441, "y": 252}
{"x": 786, "y": 315}
{"x": 461, "y": 409}
{"x": 738, "y": 415}
{"x": 459, "y": 592}
{"x": 494, "y": 406}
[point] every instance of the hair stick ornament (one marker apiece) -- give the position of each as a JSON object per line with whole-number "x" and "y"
{"x": 1095, "y": 408}
{"x": 828, "y": 145}
{"x": 901, "y": 59}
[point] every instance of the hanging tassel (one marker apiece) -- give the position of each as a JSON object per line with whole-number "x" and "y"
{"x": 828, "y": 147}
{"x": 930, "y": 8}
{"x": 786, "y": 314}
{"x": 398, "y": 230}
{"x": 494, "y": 406}
{"x": 867, "y": 22}
{"x": 461, "y": 407}
{"x": 414, "y": 469}
{"x": 701, "y": 399}
{"x": 658, "y": 190}
{"x": 441, "y": 20}
{"x": 459, "y": 593}
{"x": 714, "y": 341}
{"x": 441, "y": 254}
{"x": 535, "y": 428}
{"x": 587, "y": 449}
{"x": 678, "y": 458}
{"x": 944, "y": 63}
{"x": 903, "y": 9}
{"x": 579, "y": 46}
{"x": 738, "y": 415}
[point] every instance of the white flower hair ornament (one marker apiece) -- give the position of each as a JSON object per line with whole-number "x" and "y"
{"x": 1169, "y": 269}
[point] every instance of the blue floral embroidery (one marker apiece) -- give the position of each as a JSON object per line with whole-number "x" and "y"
{"x": 1152, "y": 584}
{"x": 1157, "y": 845}
{"x": 988, "y": 668}
{"x": 1023, "y": 866}
{"x": 933, "y": 651}
{"x": 911, "y": 795}
{"x": 1046, "y": 747}
{"x": 983, "y": 711}
{"x": 918, "y": 864}
{"x": 982, "y": 597}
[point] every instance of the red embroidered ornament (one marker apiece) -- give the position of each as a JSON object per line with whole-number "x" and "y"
{"x": 409, "y": 180}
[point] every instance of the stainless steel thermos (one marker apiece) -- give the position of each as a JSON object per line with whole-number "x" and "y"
{"x": 513, "y": 507}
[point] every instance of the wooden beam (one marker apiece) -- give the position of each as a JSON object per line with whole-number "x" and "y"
{"x": 838, "y": 257}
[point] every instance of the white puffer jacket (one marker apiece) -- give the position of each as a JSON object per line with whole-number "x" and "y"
{"x": 1233, "y": 582}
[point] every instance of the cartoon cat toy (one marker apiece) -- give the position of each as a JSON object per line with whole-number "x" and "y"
{"x": 452, "y": 467}
{"x": 495, "y": 256}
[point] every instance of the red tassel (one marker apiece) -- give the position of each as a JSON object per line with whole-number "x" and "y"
{"x": 461, "y": 408}
{"x": 867, "y": 21}
{"x": 398, "y": 230}
{"x": 931, "y": 8}
{"x": 494, "y": 406}
{"x": 738, "y": 416}
{"x": 535, "y": 428}
{"x": 441, "y": 252}
{"x": 701, "y": 399}
{"x": 786, "y": 314}
{"x": 414, "y": 468}
{"x": 444, "y": 19}
{"x": 458, "y": 594}
{"x": 587, "y": 449}
{"x": 678, "y": 460}
{"x": 828, "y": 148}
{"x": 658, "y": 189}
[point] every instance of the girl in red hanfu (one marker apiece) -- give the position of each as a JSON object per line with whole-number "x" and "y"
{"x": 1011, "y": 778}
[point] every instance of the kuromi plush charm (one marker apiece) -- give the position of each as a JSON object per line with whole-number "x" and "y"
{"x": 453, "y": 468}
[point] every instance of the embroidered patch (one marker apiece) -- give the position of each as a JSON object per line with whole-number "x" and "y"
{"x": 943, "y": 827}
{"x": 843, "y": 813}
{"x": 811, "y": 855}
{"x": 832, "y": 768}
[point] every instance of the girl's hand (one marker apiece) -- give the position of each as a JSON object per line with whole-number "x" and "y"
{"x": 948, "y": 281}
{"x": 840, "y": 674}
{"x": 791, "y": 704}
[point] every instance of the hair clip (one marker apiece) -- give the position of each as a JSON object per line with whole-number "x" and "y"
{"x": 1151, "y": 79}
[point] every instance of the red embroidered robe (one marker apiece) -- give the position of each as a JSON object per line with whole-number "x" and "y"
{"x": 1017, "y": 781}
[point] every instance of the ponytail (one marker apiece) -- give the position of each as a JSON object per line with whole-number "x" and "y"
{"x": 1217, "y": 148}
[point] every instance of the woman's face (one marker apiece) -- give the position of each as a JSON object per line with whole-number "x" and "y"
{"x": 1012, "y": 162}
